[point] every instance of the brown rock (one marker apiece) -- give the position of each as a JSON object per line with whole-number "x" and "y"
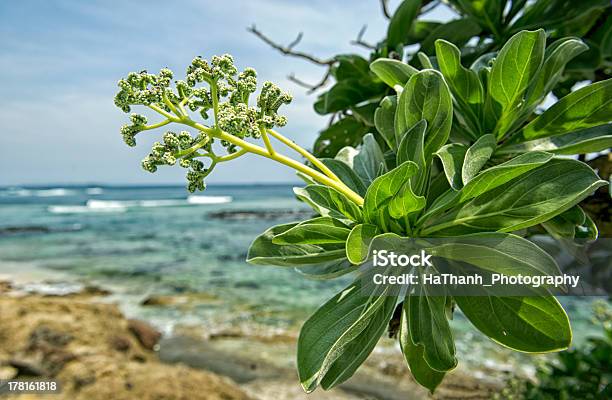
{"x": 120, "y": 343}
{"x": 145, "y": 333}
{"x": 54, "y": 330}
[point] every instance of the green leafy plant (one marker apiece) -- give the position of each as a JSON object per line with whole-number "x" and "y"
{"x": 428, "y": 182}
{"x": 580, "y": 49}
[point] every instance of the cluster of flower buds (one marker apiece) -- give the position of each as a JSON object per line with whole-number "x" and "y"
{"x": 225, "y": 92}
{"x": 180, "y": 147}
{"x": 129, "y": 131}
{"x": 142, "y": 88}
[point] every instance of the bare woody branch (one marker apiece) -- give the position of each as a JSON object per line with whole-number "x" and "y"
{"x": 289, "y": 49}
{"x": 312, "y": 87}
{"x": 385, "y": 8}
{"x": 360, "y": 42}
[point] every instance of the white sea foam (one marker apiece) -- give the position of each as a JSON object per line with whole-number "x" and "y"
{"x": 161, "y": 203}
{"x": 94, "y": 191}
{"x": 55, "y": 192}
{"x": 99, "y": 206}
{"x": 195, "y": 199}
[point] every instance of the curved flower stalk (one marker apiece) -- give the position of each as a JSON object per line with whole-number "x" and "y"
{"x": 214, "y": 88}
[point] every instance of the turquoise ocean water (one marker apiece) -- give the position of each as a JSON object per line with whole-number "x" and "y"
{"x": 143, "y": 241}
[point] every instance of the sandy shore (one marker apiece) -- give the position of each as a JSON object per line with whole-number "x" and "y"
{"x": 97, "y": 353}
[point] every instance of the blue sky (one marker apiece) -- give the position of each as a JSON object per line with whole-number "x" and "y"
{"x": 60, "y": 61}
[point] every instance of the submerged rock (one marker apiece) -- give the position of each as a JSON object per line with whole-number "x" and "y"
{"x": 259, "y": 214}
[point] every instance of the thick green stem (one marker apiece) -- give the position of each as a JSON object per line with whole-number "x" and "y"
{"x": 314, "y": 160}
{"x": 255, "y": 149}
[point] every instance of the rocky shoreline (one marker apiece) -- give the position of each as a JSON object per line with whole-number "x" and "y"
{"x": 95, "y": 352}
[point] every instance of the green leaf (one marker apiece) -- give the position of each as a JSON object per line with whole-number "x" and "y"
{"x": 327, "y": 270}
{"x": 329, "y": 202}
{"x": 384, "y": 118}
{"x": 458, "y": 31}
{"x": 584, "y": 141}
{"x": 420, "y": 30}
{"x": 424, "y": 60}
{"x": 320, "y": 230}
{"x": 393, "y": 72}
{"x": 346, "y": 175}
{"x": 421, "y": 371}
{"x": 346, "y": 93}
{"x": 391, "y": 193}
{"x": 429, "y": 328}
{"x": 346, "y": 132}
{"x": 488, "y": 13}
{"x": 585, "y": 108}
{"x": 452, "y": 156}
{"x": 477, "y": 156}
{"x": 555, "y": 58}
{"x": 264, "y": 252}
{"x": 358, "y": 242}
{"x": 515, "y": 68}
{"x": 534, "y": 197}
{"x": 534, "y": 324}
{"x": 427, "y": 97}
{"x": 340, "y": 335}
{"x": 367, "y": 163}
{"x": 463, "y": 82}
{"x": 502, "y": 253}
{"x": 364, "y": 113}
{"x": 401, "y": 23}
{"x": 411, "y": 148}
{"x": 351, "y": 66}
{"x": 488, "y": 180}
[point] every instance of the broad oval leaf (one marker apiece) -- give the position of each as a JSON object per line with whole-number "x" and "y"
{"x": 516, "y": 66}
{"x": 358, "y": 242}
{"x": 429, "y": 328}
{"x": 502, "y": 253}
{"x": 477, "y": 156}
{"x": 458, "y": 31}
{"x": 401, "y": 23}
{"x": 412, "y": 148}
{"x": 488, "y": 180}
{"x": 556, "y": 57}
{"x": 329, "y": 202}
{"x": 348, "y": 131}
{"x": 327, "y": 270}
{"x": 321, "y": 230}
{"x": 340, "y": 335}
{"x": 393, "y": 72}
{"x": 384, "y": 120}
{"x": 264, "y": 252}
{"x": 414, "y": 355}
{"x": 586, "y": 107}
{"x": 388, "y": 194}
{"x": 346, "y": 175}
{"x": 584, "y": 141}
{"x": 367, "y": 164}
{"x": 463, "y": 82}
{"x": 452, "y": 156}
{"x": 534, "y": 197}
{"x": 426, "y": 96}
{"x": 535, "y": 324}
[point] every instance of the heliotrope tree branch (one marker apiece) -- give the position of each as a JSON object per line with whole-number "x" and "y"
{"x": 360, "y": 42}
{"x": 218, "y": 87}
{"x": 289, "y": 51}
{"x": 384, "y": 5}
